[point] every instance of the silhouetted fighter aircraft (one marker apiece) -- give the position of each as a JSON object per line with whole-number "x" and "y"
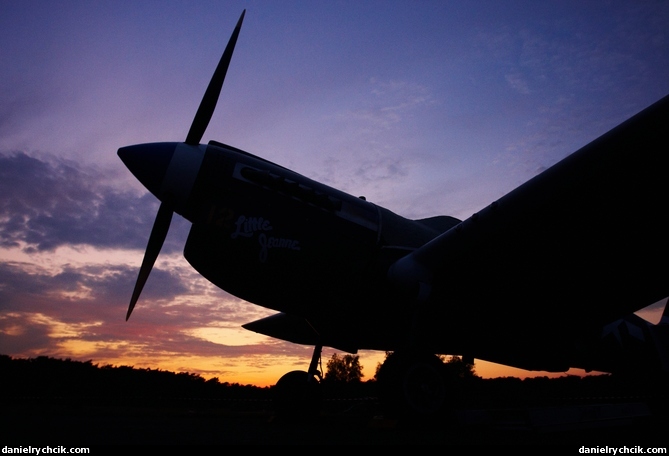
{"x": 545, "y": 278}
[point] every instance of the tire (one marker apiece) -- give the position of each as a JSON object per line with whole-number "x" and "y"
{"x": 294, "y": 396}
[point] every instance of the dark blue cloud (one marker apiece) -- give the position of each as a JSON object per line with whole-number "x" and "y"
{"x": 20, "y": 335}
{"x": 51, "y": 203}
{"x": 111, "y": 285}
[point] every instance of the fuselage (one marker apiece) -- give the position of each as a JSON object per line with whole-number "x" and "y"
{"x": 280, "y": 240}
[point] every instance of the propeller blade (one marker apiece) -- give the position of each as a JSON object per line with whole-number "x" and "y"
{"x": 208, "y": 103}
{"x": 158, "y": 234}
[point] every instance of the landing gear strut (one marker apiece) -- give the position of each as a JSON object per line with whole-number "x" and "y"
{"x": 298, "y": 393}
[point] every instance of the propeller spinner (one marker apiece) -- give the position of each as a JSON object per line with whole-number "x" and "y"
{"x": 168, "y": 170}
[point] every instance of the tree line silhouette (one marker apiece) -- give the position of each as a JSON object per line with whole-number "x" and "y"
{"x": 46, "y": 377}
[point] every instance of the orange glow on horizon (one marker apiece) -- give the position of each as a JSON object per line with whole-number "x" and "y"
{"x": 265, "y": 370}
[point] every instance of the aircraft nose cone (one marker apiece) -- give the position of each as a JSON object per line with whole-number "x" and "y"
{"x": 148, "y": 163}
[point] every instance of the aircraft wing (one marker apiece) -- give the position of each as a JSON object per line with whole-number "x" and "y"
{"x": 578, "y": 246}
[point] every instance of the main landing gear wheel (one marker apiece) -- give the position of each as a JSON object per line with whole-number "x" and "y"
{"x": 413, "y": 384}
{"x": 295, "y": 394}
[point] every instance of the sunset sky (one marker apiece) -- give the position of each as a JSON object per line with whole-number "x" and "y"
{"x": 424, "y": 107}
